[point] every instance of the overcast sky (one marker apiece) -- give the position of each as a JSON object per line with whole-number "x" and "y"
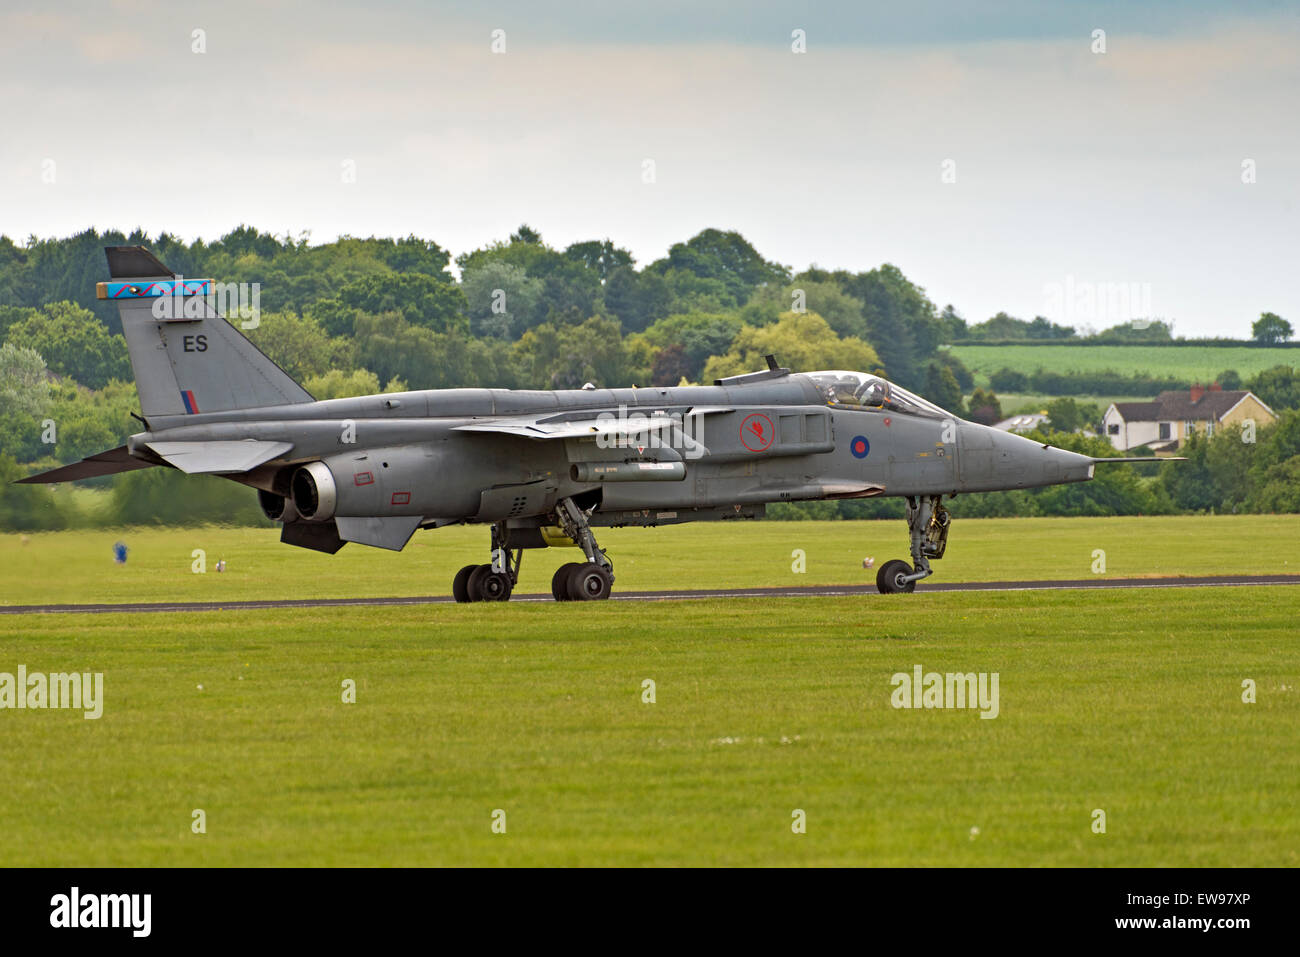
{"x": 1073, "y": 169}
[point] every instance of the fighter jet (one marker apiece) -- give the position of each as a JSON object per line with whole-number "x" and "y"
{"x": 538, "y": 468}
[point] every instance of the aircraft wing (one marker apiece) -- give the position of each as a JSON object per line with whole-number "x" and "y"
{"x": 557, "y": 427}
{"x": 219, "y": 458}
{"x": 531, "y": 428}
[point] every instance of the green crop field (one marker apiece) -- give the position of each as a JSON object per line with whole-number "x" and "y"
{"x": 1126, "y": 702}
{"x": 1022, "y": 403}
{"x": 1191, "y": 363}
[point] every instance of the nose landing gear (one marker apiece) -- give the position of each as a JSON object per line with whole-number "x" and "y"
{"x": 928, "y": 523}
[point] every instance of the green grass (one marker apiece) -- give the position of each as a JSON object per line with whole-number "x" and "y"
{"x": 1191, "y": 363}
{"x": 1127, "y": 701}
{"x": 75, "y": 567}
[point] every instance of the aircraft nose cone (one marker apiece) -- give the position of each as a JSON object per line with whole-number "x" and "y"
{"x": 1067, "y": 466}
{"x": 990, "y": 459}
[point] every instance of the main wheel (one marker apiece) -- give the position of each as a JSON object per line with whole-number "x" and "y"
{"x": 890, "y": 577}
{"x": 590, "y": 582}
{"x": 560, "y": 581}
{"x": 476, "y": 576}
{"x": 492, "y": 586}
{"x": 460, "y": 584}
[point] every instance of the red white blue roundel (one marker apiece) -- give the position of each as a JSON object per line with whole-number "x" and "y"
{"x": 859, "y": 446}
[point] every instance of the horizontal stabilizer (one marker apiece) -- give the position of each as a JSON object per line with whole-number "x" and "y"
{"x": 392, "y": 532}
{"x": 102, "y": 463}
{"x": 219, "y": 458}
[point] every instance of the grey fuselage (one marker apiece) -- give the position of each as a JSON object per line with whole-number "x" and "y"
{"x": 777, "y": 440}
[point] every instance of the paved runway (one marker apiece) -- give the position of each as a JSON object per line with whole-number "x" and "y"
{"x": 682, "y": 595}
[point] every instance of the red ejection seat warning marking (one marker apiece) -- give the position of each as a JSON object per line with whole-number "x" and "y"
{"x": 401, "y": 498}
{"x": 756, "y": 432}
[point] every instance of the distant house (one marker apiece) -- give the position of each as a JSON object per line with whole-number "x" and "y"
{"x": 1164, "y": 423}
{"x": 1022, "y": 423}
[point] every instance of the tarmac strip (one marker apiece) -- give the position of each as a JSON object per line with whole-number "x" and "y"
{"x": 807, "y": 591}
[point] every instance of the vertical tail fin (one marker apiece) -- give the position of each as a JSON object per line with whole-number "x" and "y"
{"x": 186, "y": 358}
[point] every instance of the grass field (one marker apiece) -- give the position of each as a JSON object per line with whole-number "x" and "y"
{"x": 77, "y": 566}
{"x": 1192, "y": 363}
{"x": 1128, "y": 702}
{"x": 762, "y": 707}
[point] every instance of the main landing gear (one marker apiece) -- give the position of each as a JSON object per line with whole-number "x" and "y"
{"x": 928, "y": 522}
{"x": 591, "y": 580}
{"x": 492, "y": 582}
{"x": 586, "y": 581}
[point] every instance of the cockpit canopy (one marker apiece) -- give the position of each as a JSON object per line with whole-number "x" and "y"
{"x": 857, "y": 390}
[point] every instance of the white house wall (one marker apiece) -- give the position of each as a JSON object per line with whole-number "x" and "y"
{"x": 1131, "y": 434}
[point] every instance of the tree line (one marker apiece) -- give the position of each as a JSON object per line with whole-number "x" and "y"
{"x": 358, "y": 316}
{"x": 1269, "y": 330}
{"x": 1277, "y": 387}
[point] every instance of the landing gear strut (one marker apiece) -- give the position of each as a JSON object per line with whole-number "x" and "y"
{"x": 928, "y": 522}
{"x": 589, "y": 581}
{"x": 492, "y": 582}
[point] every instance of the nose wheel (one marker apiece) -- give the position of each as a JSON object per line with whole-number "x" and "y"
{"x": 895, "y": 577}
{"x": 927, "y": 523}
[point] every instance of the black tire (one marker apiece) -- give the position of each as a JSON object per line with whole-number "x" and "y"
{"x": 590, "y": 582}
{"x": 560, "y": 581}
{"x": 493, "y": 586}
{"x": 887, "y": 578}
{"x": 476, "y": 576}
{"x": 460, "y": 584}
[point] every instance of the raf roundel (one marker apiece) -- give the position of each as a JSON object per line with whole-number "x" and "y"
{"x": 859, "y": 446}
